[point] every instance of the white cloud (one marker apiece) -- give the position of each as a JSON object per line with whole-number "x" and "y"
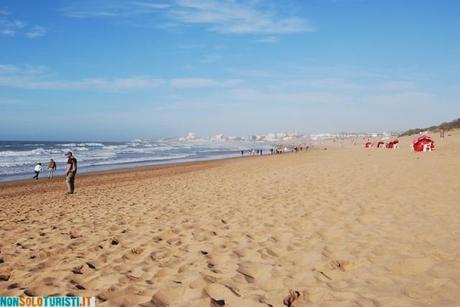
{"x": 8, "y": 26}
{"x": 236, "y": 17}
{"x": 7, "y": 68}
{"x": 396, "y": 86}
{"x": 116, "y": 84}
{"x": 332, "y": 83}
{"x": 211, "y": 58}
{"x": 291, "y": 97}
{"x": 324, "y": 84}
{"x": 355, "y": 100}
{"x": 7, "y": 101}
{"x": 11, "y": 27}
{"x": 111, "y": 8}
{"x": 36, "y": 31}
{"x": 268, "y": 39}
{"x": 153, "y": 6}
{"x": 225, "y": 16}
{"x": 7, "y": 32}
{"x": 109, "y": 85}
{"x": 411, "y": 98}
{"x": 38, "y": 78}
{"x": 202, "y": 82}
{"x": 253, "y": 73}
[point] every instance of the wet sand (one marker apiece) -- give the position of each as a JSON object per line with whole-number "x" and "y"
{"x": 346, "y": 226}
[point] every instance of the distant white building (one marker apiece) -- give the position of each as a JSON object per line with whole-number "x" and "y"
{"x": 218, "y": 138}
{"x": 322, "y": 136}
{"x": 234, "y": 138}
{"x": 271, "y": 137}
{"x": 189, "y": 137}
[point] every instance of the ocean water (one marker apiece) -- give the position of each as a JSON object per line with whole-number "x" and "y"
{"x": 18, "y": 158}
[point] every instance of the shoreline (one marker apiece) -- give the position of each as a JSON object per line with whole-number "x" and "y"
{"x": 138, "y": 165}
{"x": 115, "y": 172}
{"x": 44, "y": 177}
{"x": 17, "y": 161}
{"x": 118, "y": 174}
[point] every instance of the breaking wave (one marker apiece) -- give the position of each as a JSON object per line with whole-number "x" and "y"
{"x": 17, "y": 159}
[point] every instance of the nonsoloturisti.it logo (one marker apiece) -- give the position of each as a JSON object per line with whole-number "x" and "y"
{"x": 47, "y": 301}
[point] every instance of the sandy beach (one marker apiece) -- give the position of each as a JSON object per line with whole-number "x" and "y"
{"x": 346, "y": 226}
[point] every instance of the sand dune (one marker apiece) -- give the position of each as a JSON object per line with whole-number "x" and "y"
{"x": 339, "y": 227}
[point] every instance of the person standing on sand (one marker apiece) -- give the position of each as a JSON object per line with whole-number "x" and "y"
{"x": 37, "y": 169}
{"x": 51, "y": 168}
{"x": 71, "y": 172}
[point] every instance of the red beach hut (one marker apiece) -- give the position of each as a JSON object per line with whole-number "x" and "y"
{"x": 423, "y": 143}
{"x": 381, "y": 144}
{"x": 393, "y": 144}
{"x": 368, "y": 145}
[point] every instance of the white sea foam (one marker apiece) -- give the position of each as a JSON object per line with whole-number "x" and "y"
{"x": 92, "y": 155}
{"x": 93, "y": 144}
{"x": 137, "y": 160}
{"x": 11, "y": 153}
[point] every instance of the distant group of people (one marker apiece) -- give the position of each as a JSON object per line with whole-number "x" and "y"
{"x": 253, "y": 152}
{"x": 71, "y": 171}
{"x": 281, "y": 149}
{"x": 276, "y": 150}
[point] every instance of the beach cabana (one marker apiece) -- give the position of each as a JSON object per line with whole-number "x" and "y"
{"x": 393, "y": 144}
{"x": 368, "y": 145}
{"x": 381, "y": 144}
{"x": 423, "y": 143}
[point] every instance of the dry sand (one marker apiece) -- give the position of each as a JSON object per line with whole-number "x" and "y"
{"x": 342, "y": 227}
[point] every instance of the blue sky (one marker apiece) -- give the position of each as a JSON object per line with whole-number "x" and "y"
{"x": 117, "y": 70}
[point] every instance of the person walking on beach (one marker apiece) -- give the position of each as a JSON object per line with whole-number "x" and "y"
{"x": 38, "y": 168}
{"x": 71, "y": 172}
{"x": 51, "y": 168}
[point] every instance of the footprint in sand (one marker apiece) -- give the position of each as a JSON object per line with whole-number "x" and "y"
{"x": 80, "y": 287}
{"x": 295, "y": 299}
{"x": 30, "y": 292}
{"x": 168, "y": 296}
{"x": 13, "y": 286}
{"x": 77, "y": 285}
{"x": 222, "y": 294}
{"x": 137, "y": 250}
{"x": 342, "y": 265}
{"x": 91, "y": 265}
{"x": 74, "y": 235}
{"x": 77, "y": 269}
{"x": 102, "y": 297}
{"x": 217, "y": 303}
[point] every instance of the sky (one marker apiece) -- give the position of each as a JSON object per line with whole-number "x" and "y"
{"x": 120, "y": 70}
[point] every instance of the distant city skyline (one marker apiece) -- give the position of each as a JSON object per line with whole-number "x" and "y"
{"x": 120, "y": 70}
